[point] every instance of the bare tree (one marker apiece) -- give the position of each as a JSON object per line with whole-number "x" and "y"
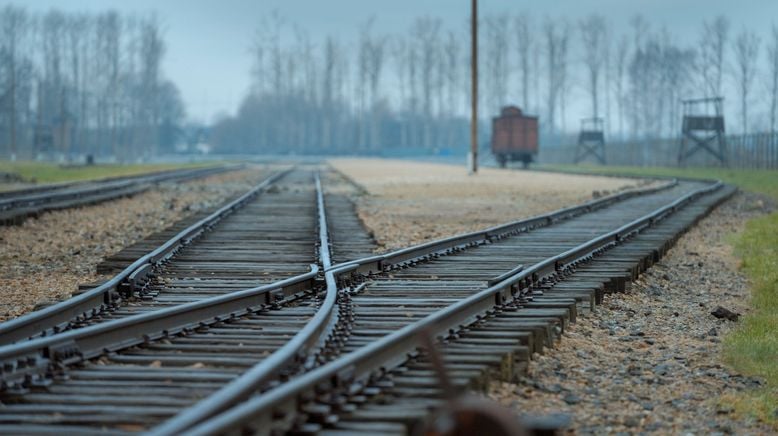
{"x": 620, "y": 68}
{"x": 370, "y": 63}
{"x": 375, "y": 69}
{"x": 522, "y": 25}
{"x": 497, "y": 68}
{"x": 557, "y": 36}
{"x": 409, "y": 59}
{"x": 328, "y": 89}
{"x": 676, "y": 66}
{"x": 746, "y": 49}
{"x": 310, "y": 72}
{"x": 53, "y": 36}
{"x": 593, "y": 38}
{"x": 109, "y": 28}
{"x": 712, "y": 48}
{"x": 537, "y": 54}
{"x": 772, "y": 59}
{"x": 152, "y": 49}
{"x": 14, "y": 23}
{"x": 552, "y": 54}
{"x": 92, "y": 88}
{"x": 565, "y": 83}
{"x": 452, "y": 66}
{"x": 638, "y": 76}
{"x": 362, "y": 79}
{"x": 402, "y": 53}
{"x": 427, "y": 33}
{"x": 607, "y": 56}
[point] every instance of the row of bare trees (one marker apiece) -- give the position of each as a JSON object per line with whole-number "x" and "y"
{"x": 410, "y": 89}
{"x": 399, "y": 91}
{"x": 73, "y": 84}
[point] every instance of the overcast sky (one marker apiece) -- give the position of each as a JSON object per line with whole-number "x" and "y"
{"x": 208, "y": 40}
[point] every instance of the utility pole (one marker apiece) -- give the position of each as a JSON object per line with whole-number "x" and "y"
{"x": 472, "y": 157}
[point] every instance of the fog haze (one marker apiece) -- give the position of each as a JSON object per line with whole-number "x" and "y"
{"x": 208, "y": 41}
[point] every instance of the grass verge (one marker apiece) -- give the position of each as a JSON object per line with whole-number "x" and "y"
{"x": 752, "y": 348}
{"x": 45, "y": 172}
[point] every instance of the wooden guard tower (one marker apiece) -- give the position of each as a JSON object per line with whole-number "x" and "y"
{"x": 591, "y": 140}
{"x": 703, "y": 129}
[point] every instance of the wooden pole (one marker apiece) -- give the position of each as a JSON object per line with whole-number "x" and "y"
{"x": 473, "y": 157}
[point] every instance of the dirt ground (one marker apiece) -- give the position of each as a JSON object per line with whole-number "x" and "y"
{"x": 649, "y": 360}
{"x": 411, "y": 202}
{"x": 45, "y": 259}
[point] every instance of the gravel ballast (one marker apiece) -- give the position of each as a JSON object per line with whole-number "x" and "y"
{"x": 646, "y": 361}
{"x": 45, "y": 259}
{"x": 649, "y": 360}
{"x": 411, "y": 202}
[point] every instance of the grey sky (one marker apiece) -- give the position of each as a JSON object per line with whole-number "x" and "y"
{"x": 208, "y": 40}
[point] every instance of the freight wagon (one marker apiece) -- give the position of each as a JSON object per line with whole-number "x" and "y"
{"x": 514, "y": 137}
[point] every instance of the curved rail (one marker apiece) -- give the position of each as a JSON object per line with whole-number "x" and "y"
{"x": 32, "y": 361}
{"x": 258, "y": 377}
{"x": 305, "y": 342}
{"x": 125, "y": 282}
{"x": 352, "y": 371}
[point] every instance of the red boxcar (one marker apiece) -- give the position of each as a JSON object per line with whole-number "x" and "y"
{"x": 514, "y": 136}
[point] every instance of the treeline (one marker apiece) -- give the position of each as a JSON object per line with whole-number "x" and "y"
{"x": 401, "y": 92}
{"x": 411, "y": 89}
{"x": 75, "y": 84}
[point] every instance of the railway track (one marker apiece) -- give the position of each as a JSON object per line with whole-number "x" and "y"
{"x": 212, "y": 354}
{"x": 266, "y": 235}
{"x": 17, "y": 206}
{"x": 346, "y": 340}
{"x": 385, "y": 385}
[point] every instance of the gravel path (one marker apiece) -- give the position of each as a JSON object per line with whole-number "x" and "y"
{"x": 45, "y": 259}
{"x": 412, "y": 202}
{"x": 649, "y": 360}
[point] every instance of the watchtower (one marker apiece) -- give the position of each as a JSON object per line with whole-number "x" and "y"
{"x": 591, "y": 140}
{"x": 703, "y": 129}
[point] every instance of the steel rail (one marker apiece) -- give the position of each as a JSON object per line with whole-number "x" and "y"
{"x": 414, "y": 253}
{"x": 44, "y": 196}
{"x": 352, "y": 371}
{"x": 258, "y": 377}
{"x": 31, "y": 361}
{"x": 134, "y": 276}
{"x": 53, "y": 187}
{"x": 618, "y": 175}
{"x": 266, "y": 371}
{"x": 110, "y": 293}
{"x": 306, "y": 342}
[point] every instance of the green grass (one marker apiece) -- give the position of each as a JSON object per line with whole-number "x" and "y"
{"x": 752, "y": 348}
{"x": 44, "y": 172}
{"x": 760, "y": 181}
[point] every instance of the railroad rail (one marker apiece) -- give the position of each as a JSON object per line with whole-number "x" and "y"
{"x": 17, "y": 206}
{"x": 265, "y": 235}
{"x": 387, "y": 385}
{"x": 258, "y": 307}
{"x": 363, "y": 319}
